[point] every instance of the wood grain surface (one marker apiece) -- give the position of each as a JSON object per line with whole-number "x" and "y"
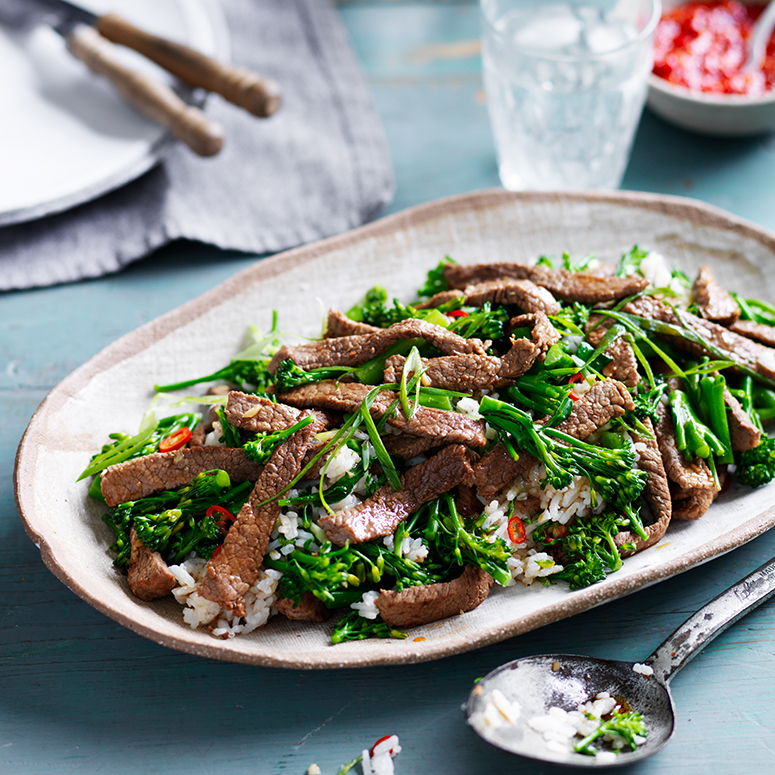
{"x": 82, "y": 694}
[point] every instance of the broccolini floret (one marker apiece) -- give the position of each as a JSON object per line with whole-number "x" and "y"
{"x": 627, "y": 725}
{"x": 756, "y": 466}
{"x": 610, "y": 471}
{"x": 353, "y": 626}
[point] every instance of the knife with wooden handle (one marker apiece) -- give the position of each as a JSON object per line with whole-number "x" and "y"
{"x": 259, "y": 96}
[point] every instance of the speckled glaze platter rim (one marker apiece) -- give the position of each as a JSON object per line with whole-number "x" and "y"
{"x": 442, "y": 640}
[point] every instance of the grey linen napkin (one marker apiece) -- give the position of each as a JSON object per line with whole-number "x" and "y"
{"x": 318, "y": 167}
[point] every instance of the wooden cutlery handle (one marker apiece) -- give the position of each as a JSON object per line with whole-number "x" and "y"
{"x": 152, "y": 98}
{"x": 260, "y": 96}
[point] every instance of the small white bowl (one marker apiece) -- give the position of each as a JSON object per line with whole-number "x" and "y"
{"x": 731, "y": 115}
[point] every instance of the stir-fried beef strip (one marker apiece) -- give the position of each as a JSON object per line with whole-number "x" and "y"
{"x": 446, "y": 427}
{"x": 440, "y": 298}
{"x": 759, "y": 332}
{"x": 453, "y": 372}
{"x": 585, "y": 287}
{"x": 624, "y": 365}
{"x": 656, "y": 493}
{"x": 483, "y": 372}
{"x": 257, "y": 414}
{"x": 686, "y": 474}
{"x": 231, "y": 572}
{"x": 381, "y": 514}
{"x": 713, "y": 301}
{"x": 338, "y": 324}
{"x": 542, "y": 333}
{"x": 497, "y": 470}
{"x": 144, "y": 476}
{"x": 743, "y": 351}
{"x": 405, "y": 446}
{"x": 359, "y": 348}
{"x": 604, "y": 401}
{"x": 690, "y": 504}
{"x": 308, "y": 609}
{"x": 414, "y": 606}
{"x": 528, "y": 296}
{"x": 743, "y": 432}
{"x": 148, "y": 575}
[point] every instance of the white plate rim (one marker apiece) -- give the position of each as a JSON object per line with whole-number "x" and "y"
{"x": 154, "y": 153}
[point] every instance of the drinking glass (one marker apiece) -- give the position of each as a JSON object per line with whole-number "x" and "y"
{"x": 566, "y": 82}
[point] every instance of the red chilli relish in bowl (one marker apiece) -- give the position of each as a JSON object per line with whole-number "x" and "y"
{"x": 703, "y": 46}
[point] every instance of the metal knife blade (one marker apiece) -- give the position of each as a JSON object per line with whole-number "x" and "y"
{"x": 59, "y": 14}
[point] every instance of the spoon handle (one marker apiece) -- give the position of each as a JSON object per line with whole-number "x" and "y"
{"x": 711, "y": 620}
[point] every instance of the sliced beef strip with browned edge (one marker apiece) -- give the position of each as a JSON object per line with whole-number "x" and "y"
{"x": 564, "y": 285}
{"x": 308, "y": 609}
{"x": 624, "y": 365}
{"x": 656, "y": 493}
{"x": 743, "y": 433}
{"x": 338, "y": 324}
{"x": 446, "y": 427}
{"x": 604, "y": 401}
{"x": 743, "y": 351}
{"x": 528, "y": 296}
{"x": 443, "y": 297}
{"x": 759, "y": 332}
{"x": 690, "y": 504}
{"x": 482, "y": 372}
{"x": 683, "y": 474}
{"x": 357, "y": 349}
{"x": 381, "y": 514}
{"x": 712, "y": 300}
{"x": 258, "y": 414}
{"x": 144, "y": 476}
{"x": 405, "y": 446}
{"x": 198, "y": 436}
{"x": 497, "y": 469}
{"x": 148, "y": 575}
{"x": 414, "y": 606}
{"x": 231, "y": 572}
{"x": 451, "y": 372}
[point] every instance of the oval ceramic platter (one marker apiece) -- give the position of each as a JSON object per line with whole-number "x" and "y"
{"x": 112, "y": 391}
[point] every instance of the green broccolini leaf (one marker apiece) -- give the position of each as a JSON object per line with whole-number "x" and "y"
{"x": 446, "y": 531}
{"x": 630, "y": 262}
{"x": 588, "y": 544}
{"x": 289, "y": 375}
{"x": 260, "y": 448}
{"x": 353, "y": 626}
{"x": 435, "y": 281}
{"x": 582, "y": 264}
{"x": 625, "y": 724}
{"x": 610, "y": 471}
{"x": 230, "y": 435}
{"x": 482, "y": 323}
{"x": 144, "y": 443}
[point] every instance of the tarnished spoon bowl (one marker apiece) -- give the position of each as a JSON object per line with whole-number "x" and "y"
{"x": 567, "y": 681}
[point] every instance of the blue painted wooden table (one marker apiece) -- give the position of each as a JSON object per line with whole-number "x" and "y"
{"x": 81, "y": 694}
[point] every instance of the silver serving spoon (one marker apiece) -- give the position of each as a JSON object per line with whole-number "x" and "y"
{"x": 760, "y": 35}
{"x": 567, "y": 681}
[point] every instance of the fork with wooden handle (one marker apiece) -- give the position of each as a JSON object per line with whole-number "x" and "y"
{"x": 152, "y": 98}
